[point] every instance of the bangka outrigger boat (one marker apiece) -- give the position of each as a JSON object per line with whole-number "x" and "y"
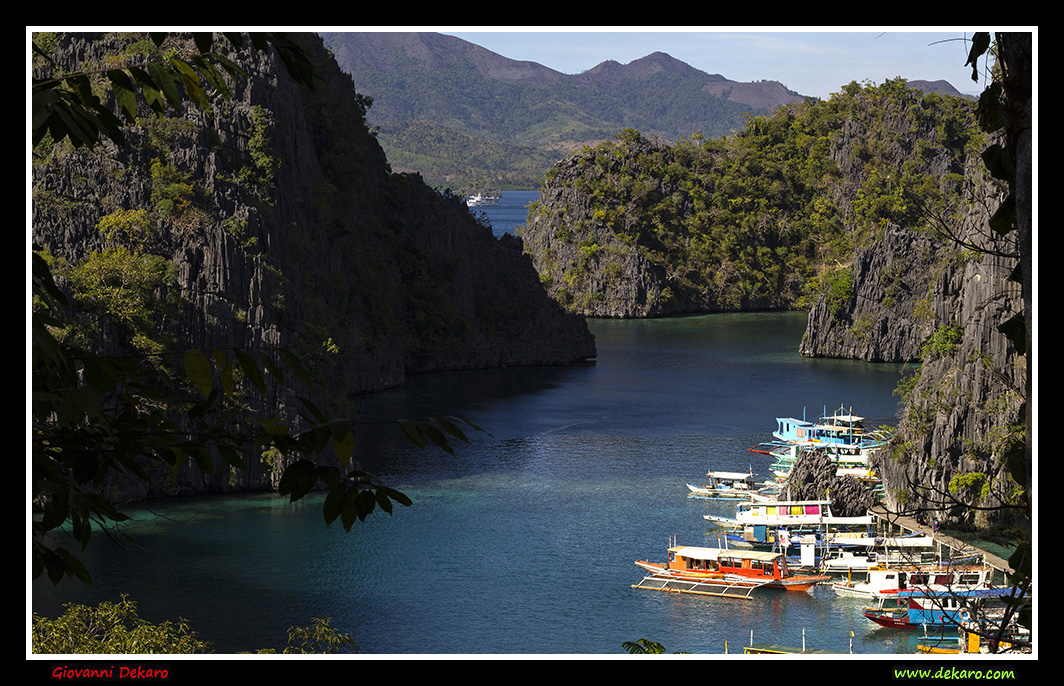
{"x": 724, "y": 486}
{"x": 723, "y": 572}
{"x": 914, "y": 609}
{"x": 843, "y": 430}
{"x": 891, "y": 580}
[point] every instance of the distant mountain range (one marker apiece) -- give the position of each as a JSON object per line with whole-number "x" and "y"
{"x": 464, "y": 116}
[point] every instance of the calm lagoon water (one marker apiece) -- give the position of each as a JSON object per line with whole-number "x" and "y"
{"x": 511, "y": 212}
{"x": 523, "y": 542}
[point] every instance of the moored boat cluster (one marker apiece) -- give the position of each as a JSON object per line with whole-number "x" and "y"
{"x": 772, "y": 544}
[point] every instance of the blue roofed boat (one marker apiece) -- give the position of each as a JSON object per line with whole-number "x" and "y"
{"x": 842, "y": 429}
{"x": 915, "y": 609}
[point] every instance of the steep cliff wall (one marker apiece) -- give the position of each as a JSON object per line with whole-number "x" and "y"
{"x": 289, "y": 230}
{"x": 587, "y": 266}
{"x": 963, "y": 420}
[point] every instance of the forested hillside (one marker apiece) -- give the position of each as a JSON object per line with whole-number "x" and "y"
{"x": 516, "y": 119}
{"x": 766, "y": 219}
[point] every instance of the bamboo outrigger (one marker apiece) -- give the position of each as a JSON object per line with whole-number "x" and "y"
{"x": 723, "y": 572}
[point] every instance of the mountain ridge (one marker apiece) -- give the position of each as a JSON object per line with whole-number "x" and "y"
{"x": 430, "y": 77}
{"x": 453, "y": 89}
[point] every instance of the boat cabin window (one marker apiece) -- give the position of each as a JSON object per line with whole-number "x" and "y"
{"x": 944, "y": 579}
{"x": 762, "y": 566}
{"x": 970, "y": 579}
{"x": 918, "y": 579}
{"x": 694, "y": 563}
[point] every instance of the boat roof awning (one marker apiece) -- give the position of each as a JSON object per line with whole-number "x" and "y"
{"x": 751, "y": 554}
{"x": 857, "y": 521}
{"x": 730, "y": 475}
{"x": 963, "y": 593}
{"x": 792, "y": 420}
{"x": 694, "y": 552}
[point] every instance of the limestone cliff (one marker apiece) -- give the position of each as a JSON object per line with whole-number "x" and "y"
{"x": 944, "y": 302}
{"x": 960, "y": 438}
{"x": 288, "y": 229}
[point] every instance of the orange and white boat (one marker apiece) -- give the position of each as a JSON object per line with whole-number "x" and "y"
{"x": 723, "y": 572}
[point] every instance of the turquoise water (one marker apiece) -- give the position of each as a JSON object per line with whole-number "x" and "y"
{"x": 523, "y": 542}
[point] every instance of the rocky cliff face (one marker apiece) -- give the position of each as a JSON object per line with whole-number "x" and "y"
{"x": 887, "y": 314}
{"x": 940, "y": 301}
{"x": 964, "y": 416}
{"x": 294, "y": 233}
{"x": 585, "y": 265}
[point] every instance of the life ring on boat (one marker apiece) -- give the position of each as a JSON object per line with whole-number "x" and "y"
{"x": 964, "y": 615}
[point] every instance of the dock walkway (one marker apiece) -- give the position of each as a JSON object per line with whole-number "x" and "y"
{"x": 910, "y": 525}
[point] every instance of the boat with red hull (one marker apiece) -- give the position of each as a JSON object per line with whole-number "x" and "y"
{"x": 723, "y": 572}
{"x": 915, "y": 609}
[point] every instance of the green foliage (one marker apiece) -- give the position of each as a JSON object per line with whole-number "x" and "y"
{"x": 974, "y": 484}
{"x": 128, "y": 227}
{"x": 838, "y": 293}
{"x": 643, "y": 647}
{"x": 124, "y": 286}
{"x": 259, "y": 174}
{"x": 749, "y": 222}
{"x": 172, "y": 192}
{"x": 319, "y": 638}
{"x": 116, "y": 628}
{"x": 111, "y": 628}
{"x": 943, "y": 342}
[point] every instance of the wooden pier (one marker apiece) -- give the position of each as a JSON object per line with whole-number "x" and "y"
{"x": 894, "y": 522}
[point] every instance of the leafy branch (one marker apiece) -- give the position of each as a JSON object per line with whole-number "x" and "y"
{"x": 66, "y": 107}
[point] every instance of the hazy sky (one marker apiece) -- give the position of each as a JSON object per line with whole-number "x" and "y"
{"x": 815, "y": 62}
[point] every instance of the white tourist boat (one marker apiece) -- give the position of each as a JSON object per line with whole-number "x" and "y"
{"x": 724, "y": 486}
{"x": 787, "y": 513}
{"x": 481, "y": 200}
{"x": 889, "y": 581}
{"x": 877, "y": 552}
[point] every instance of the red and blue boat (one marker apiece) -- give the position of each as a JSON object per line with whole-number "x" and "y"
{"x": 918, "y": 609}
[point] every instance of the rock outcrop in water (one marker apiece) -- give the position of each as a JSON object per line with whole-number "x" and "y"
{"x": 814, "y": 477}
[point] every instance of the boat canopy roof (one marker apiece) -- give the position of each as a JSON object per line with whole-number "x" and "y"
{"x": 751, "y": 554}
{"x": 792, "y": 420}
{"x": 963, "y": 593}
{"x": 730, "y": 475}
{"x": 692, "y": 552}
{"x": 845, "y": 418}
{"x": 834, "y": 427}
{"x": 787, "y": 503}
